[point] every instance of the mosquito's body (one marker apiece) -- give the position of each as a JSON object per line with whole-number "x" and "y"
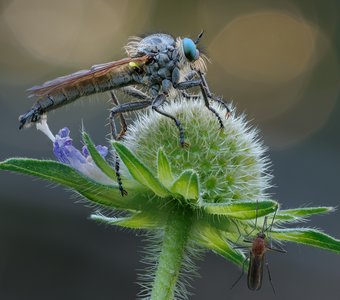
{"x": 256, "y": 262}
{"x": 158, "y": 64}
{"x": 259, "y": 246}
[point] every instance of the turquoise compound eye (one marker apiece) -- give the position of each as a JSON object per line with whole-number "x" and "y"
{"x": 190, "y": 50}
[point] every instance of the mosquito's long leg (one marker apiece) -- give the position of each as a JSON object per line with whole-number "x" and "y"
{"x": 240, "y": 277}
{"x": 277, "y": 248}
{"x": 119, "y": 110}
{"x": 270, "y": 278}
{"x": 156, "y": 104}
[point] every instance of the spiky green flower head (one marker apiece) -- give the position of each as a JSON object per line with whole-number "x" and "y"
{"x": 230, "y": 162}
{"x": 210, "y": 195}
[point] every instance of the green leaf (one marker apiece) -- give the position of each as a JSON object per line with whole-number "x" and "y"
{"x": 136, "y": 221}
{"x": 242, "y": 209}
{"x": 139, "y": 171}
{"x": 164, "y": 168}
{"x": 98, "y": 159}
{"x": 187, "y": 185}
{"x": 212, "y": 239}
{"x": 297, "y": 214}
{"x": 108, "y": 195}
{"x": 308, "y": 236}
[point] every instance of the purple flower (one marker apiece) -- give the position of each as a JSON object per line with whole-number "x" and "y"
{"x": 66, "y": 153}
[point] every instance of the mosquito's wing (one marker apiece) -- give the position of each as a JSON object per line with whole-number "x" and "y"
{"x": 255, "y": 272}
{"x": 91, "y": 76}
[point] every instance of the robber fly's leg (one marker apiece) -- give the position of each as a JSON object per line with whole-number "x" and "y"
{"x": 189, "y": 97}
{"x": 119, "y": 110}
{"x": 190, "y": 75}
{"x": 123, "y": 192}
{"x": 126, "y": 107}
{"x": 192, "y": 83}
{"x": 123, "y": 125}
{"x": 156, "y": 103}
{"x": 133, "y": 92}
{"x": 207, "y": 104}
{"x": 210, "y": 95}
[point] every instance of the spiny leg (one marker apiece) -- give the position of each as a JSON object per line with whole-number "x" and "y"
{"x": 204, "y": 88}
{"x": 133, "y": 92}
{"x": 189, "y": 96}
{"x": 120, "y": 109}
{"x": 123, "y": 125}
{"x": 211, "y": 96}
{"x": 123, "y": 192}
{"x": 156, "y": 103}
{"x": 206, "y": 93}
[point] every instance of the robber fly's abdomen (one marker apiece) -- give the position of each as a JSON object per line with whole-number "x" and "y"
{"x": 71, "y": 92}
{"x": 85, "y": 88}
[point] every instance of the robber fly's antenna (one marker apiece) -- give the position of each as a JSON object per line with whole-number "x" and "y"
{"x": 199, "y": 37}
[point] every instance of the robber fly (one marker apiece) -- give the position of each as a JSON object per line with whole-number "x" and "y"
{"x": 258, "y": 248}
{"x": 161, "y": 65}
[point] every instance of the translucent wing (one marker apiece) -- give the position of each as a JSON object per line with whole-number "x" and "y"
{"x": 95, "y": 71}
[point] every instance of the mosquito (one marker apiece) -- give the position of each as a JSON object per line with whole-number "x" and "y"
{"x": 259, "y": 246}
{"x": 159, "y": 67}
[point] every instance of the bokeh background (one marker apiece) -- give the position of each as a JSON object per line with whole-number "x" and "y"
{"x": 278, "y": 61}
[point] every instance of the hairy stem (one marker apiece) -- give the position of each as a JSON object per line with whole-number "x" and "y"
{"x": 169, "y": 265}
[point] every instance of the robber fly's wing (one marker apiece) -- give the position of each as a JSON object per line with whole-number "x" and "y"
{"x": 94, "y": 72}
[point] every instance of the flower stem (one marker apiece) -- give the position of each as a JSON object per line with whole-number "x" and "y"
{"x": 175, "y": 238}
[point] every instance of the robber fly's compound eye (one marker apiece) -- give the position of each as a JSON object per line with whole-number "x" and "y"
{"x": 190, "y": 50}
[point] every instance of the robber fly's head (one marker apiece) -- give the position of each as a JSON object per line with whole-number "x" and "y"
{"x": 190, "y": 49}
{"x": 190, "y": 53}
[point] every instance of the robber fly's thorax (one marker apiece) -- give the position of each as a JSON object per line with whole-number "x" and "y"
{"x": 167, "y": 64}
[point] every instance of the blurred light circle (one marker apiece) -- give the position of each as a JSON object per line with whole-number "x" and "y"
{"x": 44, "y": 27}
{"x": 279, "y": 68}
{"x": 266, "y": 46}
{"x": 65, "y": 32}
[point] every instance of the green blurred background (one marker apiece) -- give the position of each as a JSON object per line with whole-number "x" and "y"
{"x": 277, "y": 61}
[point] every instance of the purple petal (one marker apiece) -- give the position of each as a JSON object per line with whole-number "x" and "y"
{"x": 103, "y": 150}
{"x": 63, "y": 133}
{"x": 64, "y": 150}
{"x": 85, "y": 151}
{"x": 66, "y": 153}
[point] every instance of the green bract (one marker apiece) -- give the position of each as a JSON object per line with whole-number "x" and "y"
{"x": 206, "y": 196}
